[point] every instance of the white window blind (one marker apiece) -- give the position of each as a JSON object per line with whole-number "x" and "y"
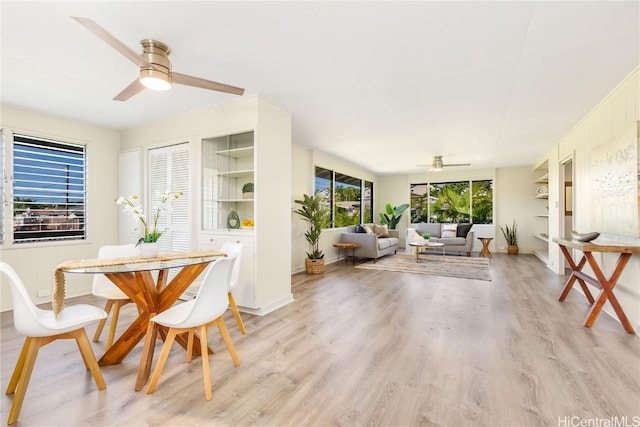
{"x": 49, "y": 190}
{"x": 169, "y": 169}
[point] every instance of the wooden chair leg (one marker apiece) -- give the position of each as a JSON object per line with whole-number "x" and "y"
{"x": 102, "y": 322}
{"x": 17, "y": 371}
{"x": 171, "y": 336}
{"x": 227, "y": 340}
{"x": 89, "y": 357}
{"x": 114, "y": 322}
{"x": 190, "y": 345}
{"x": 32, "y": 347}
{"x": 236, "y": 313}
{"x": 204, "y": 354}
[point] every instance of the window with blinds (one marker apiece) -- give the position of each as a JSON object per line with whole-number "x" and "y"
{"x": 169, "y": 171}
{"x": 49, "y": 190}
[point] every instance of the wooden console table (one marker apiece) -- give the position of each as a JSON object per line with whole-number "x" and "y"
{"x": 601, "y": 282}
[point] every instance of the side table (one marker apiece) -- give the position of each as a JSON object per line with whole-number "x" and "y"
{"x": 345, "y": 246}
{"x": 485, "y": 252}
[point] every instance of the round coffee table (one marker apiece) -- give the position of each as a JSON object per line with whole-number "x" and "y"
{"x": 425, "y": 244}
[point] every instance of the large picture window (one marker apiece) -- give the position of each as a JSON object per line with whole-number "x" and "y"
{"x": 49, "y": 190}
{"x": 449, "y": 202}
{"x": 349, "y": 199}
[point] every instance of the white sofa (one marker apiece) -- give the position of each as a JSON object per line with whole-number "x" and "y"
{"x": 463, "y": 242}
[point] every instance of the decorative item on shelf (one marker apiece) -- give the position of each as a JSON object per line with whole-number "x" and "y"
{"x": 511, "y": 236}
{"x": 247, "y": 190}
{"x": 316, "y": 213}
{"x": 584, "y": 237}
{"x": 392, "y": 215}
{"x": 150, "y": 231}
{"x": 233, "y": 220}
{"x": 542, "y": 190}
{"x": 247, "y": 223}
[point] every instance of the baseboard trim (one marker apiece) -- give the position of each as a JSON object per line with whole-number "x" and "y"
{"x": 261, "y": 311}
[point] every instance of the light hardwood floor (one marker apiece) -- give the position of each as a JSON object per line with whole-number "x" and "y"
{"x": 363, "y": 347}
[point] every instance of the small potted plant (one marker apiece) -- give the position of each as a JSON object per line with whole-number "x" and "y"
{"x": 247, "y": 190}
{"x": 511, "y": 236}
{"x": 316, "y": 214}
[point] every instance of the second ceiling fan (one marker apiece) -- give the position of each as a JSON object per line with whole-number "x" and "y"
{"x": 437, "y": 164}
{"x": 155, "y": 67}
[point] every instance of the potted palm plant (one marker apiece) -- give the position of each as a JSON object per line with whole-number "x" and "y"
{"x": 392, "y": 215}
{"x": 316, "y": 214}
{"x": 511, "y": 236}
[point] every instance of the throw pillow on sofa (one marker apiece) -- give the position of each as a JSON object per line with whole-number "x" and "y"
{"x": 381, "y": 230}
{"x": 360, "y": 229}
{"x": 367, "y": 229}
{"x": 463, "y": 230}
{"x": 449, "y": 230}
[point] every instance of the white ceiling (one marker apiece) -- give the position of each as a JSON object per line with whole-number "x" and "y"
{"x": 385, "y": 85}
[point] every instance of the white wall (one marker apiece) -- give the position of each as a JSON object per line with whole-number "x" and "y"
{"x": 35, "y": 262}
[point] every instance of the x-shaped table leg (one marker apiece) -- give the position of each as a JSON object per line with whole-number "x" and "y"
{"x": 607, "y": 291}
{"x": 574, "y": 270}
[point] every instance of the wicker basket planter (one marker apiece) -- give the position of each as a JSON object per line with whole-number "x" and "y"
{"x": 314, "y": 266}
{"x": 512, "y": 249}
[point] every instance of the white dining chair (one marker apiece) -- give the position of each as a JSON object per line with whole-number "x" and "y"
{"x": 197, "y": 314}
{"x": 105, "y": 288}
{"x": 234, "y": 250}
{"x": 41, "y": 327}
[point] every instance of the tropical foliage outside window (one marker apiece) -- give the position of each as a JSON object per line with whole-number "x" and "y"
{"x": 349, "y": 199}
{"x": 450, "y": 202}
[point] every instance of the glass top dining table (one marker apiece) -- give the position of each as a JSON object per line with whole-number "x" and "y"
{"x": 133, "y": 275}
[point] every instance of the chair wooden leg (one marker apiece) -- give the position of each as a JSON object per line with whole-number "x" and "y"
{"x": 17, "y": 371}
{"x": 204, "y": 354}
{"x": 190, "y": 344}
{"x": 236, "y": 313}
{"x": 32, "y": 347}
{"x": 171, "y": 336}
{"x": 227, "y": 340}
{"x": 89, "y": 357}
{"x": 114, "y": 322}
{"x": 102, "y": 322}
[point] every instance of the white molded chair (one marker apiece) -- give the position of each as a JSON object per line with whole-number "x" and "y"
{"x": 234, "y": 250}
{"x": 204, "y": 310}
{"x": 40, "y": 327}
{"x": 105, "y": 288}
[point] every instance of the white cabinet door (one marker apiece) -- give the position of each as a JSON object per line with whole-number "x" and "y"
{"x": 243, "y": 294}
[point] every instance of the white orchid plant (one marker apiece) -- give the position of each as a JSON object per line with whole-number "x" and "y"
{"x": 151, "y": 233}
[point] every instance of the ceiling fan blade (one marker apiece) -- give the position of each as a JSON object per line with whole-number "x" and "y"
{"x": 105, "y": 36}
{"x": 187, "y": 80}
{"x": 456, "y": 164}
{"x": 134, "y": 88}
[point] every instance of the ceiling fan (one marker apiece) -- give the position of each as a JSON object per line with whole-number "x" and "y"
{"x": 155, "y": 67}
{"x": 437, "y": 164}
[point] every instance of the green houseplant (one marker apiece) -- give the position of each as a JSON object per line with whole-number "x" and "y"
{"x": 392, "y": 215}
{"x": 511, "y": 236}
{"x": 247, "y": 190}
{"x": 316, "y": 214}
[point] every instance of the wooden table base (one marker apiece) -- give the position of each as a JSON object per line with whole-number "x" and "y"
{"x": 600, "y": 282}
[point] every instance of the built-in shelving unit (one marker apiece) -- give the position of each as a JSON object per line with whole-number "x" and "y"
{"x": 542, "y": 233}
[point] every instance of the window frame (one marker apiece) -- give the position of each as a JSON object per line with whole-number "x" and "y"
{"x": 50, "y": 229}
{"x": 467, "y": 217}
{"x": 364, "y": 185}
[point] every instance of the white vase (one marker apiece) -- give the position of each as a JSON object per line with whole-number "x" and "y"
{"x": 149, "y": 250}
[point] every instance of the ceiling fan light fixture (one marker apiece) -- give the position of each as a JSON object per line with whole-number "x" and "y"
{"x": 437, "y": 165}
{"x": 155, "y": 79}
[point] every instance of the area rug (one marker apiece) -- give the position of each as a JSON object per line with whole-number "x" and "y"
{"x": 435, "y": 265}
